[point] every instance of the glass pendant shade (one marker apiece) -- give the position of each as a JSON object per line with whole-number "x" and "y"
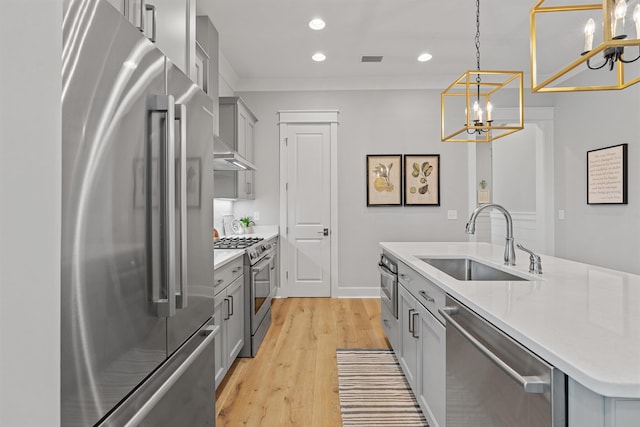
{"x": 470, "y": 109}
{"x": 584, "y": 47}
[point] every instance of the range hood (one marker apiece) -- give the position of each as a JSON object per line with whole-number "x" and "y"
{"x": 226, "y": 159}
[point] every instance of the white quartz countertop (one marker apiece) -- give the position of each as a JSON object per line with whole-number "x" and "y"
{"x": 223, "y": 256}
{"x": 583, "y": 319}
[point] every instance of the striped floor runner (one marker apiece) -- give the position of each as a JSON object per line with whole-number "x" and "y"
{"x": 374, "y": 391}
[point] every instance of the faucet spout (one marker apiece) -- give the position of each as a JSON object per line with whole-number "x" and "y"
{"x": 509, "y": 250}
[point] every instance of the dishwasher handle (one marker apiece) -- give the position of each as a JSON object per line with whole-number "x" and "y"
{"x": 531, "y": 384}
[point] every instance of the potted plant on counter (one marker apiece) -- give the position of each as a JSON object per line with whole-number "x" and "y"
{"x": 247, "y": 221}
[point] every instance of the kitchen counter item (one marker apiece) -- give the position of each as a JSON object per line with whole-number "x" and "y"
{"x": 236, "y": 227}
{"x": 226, "y": 224}
{"x": 572, "y": 316}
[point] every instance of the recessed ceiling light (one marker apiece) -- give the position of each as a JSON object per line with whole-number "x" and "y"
{"x": 424, "y": 57}
{"x": 316, "y": 24}
{"x": 318, "y": 57}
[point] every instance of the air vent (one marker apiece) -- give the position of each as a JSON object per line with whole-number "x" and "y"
{"x": 371, "y": 58}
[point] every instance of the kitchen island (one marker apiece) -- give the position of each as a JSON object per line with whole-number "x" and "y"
{"x": 583, "y": 319}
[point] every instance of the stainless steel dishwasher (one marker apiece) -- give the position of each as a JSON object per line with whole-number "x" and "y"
{"x": 493, "y": 381}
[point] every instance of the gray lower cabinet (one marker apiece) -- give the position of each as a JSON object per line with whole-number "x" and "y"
{"x": 422, "y": 343}
{"x": 229, "y": 315}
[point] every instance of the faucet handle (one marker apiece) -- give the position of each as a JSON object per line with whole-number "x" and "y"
{"x": 535, "y": 262}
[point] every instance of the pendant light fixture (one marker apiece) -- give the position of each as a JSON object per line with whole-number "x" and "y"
{"x": 468, "y": 100}
{"x": 614, "y": 26}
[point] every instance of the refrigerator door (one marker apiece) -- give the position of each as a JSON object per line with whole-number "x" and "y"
{"x": 180, "y": 393}
{"x": 112, "y": 334}
{"x": 194, "y": 126}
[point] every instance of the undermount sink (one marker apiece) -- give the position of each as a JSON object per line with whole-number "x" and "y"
{"x": 469, "y": 269}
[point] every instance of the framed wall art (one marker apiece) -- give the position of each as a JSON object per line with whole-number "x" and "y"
{"x": 384, "y": 180}
{"x": 422, "y": 180}
{"x": 607, "y": 175}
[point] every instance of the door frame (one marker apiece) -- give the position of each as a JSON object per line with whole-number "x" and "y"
{"x": 313, "y": 117}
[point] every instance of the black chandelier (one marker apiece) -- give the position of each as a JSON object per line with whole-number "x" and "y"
{"x": 614, "y": 54}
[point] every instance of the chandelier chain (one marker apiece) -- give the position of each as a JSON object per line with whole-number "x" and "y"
{"x": 478, "y": 38}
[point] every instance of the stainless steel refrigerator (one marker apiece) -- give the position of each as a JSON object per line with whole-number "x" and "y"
{"x": 137, "y": 249}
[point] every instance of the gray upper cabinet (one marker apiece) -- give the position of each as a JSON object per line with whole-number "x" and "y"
{"x": 206, "y": 62}
{"x": 237, "y": 130}
{"x": 170, "y": 24}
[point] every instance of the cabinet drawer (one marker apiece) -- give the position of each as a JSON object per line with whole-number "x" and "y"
{"x": 226, "y": 274}
{"x": 426, "y": 292}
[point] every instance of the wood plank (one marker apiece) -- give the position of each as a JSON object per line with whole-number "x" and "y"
{"x": 293, "y": 380}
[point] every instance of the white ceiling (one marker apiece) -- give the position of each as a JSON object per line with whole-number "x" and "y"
{"x": 269, "y": 45}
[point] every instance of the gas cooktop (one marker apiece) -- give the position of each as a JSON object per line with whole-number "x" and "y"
{"x": 236, "y": 242}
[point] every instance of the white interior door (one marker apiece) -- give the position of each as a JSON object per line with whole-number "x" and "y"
{"x": 309, "y": 210}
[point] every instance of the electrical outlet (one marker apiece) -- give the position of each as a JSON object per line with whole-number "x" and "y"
{"x": 561, "y": 214}
{"x": 453, "y": 214}
{"x": 256, "y": 216}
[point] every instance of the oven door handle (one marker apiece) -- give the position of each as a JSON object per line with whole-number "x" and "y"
{"x": 383, "y": 270}
{"x": 261, "y": 265}
{"x": 531, "y": 384}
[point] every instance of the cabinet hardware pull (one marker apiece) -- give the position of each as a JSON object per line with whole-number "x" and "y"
{"x": 405, "y": 277}
{"x": 231, "y": 298}
{"x": 219, "y": 281}
{"x": 228, "y": 309}
{"x": 411, "y": 325}
{"x": 151, "y": 8}
{"x": 413, "y": 333}
{"x": 426, "y": 296}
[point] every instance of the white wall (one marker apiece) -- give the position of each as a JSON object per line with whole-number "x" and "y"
{"x": 30, "y": 199}
{"x": 371, "y": 122}
{"x": 514, "y": 170}
{"x": 606, "y": 235}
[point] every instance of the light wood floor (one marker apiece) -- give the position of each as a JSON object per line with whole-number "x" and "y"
{"x": 293, "y": 380}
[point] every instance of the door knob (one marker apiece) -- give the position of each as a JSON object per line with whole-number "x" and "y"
{"x": 324, "y": 232}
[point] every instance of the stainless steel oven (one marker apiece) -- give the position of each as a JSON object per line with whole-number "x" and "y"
{"x": 260, "y": 277}
{"x": 493, "y": 381}
{"x": 388, "y": 268}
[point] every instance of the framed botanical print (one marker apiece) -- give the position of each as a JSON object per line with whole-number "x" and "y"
{"x": 384, "y": 180}
{"x": 422, "y": 180}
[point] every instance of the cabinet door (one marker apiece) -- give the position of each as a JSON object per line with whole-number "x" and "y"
{"x": 408, "y": 341}
{"x": 235, "y": 324}
{"x": 220, "y": 350}
{"x": 242, "y": 119}
{"x": 432, "y": 370}
{"x": 249, "y": 147}
{"x": 170, "y": 27}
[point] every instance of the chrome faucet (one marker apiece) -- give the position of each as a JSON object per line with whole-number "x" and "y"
{"x": 535, "y": 262}
{"x": 509, "y": 251}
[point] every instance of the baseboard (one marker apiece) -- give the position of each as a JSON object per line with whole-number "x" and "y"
{"x": 357, "y": 292}
{"x": 347, "y": 292}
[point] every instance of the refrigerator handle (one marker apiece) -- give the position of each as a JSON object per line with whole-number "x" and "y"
{"x": 166, "y": 307}
{"x": 181, "y": 118}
